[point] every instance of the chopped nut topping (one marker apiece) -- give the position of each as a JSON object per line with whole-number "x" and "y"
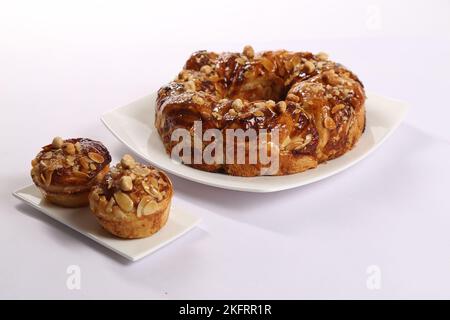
{"x": 96, "y": 157}
{"x": 146, "y": 187}
{"x": 189, "y": 85}
{"x": 331, "y": 77}
{"x": 237, "y": 105}
{"x": 270, "y": 103}
{"x": 57, "y": 142}
{"x": 126, "y": 183}
{"x": 142, "y": 204}
{"x": 124, "y": 201}
{"x": 232, "y": 112}
{"x": 128, "y": 162}
{"x": 78, "y": 146}
{"x": 198, "y": 100}
{"x": 217, "y": 115}
{"x": 152, "y": 190}
{"x": 184, "y": 75}
{"x": 68, "y": 148}
{"x": 70, "y": 160}
{"x": 329, "y": 123}
{"x": 154, "y": 182}
{"x": 206, "y": 69}
{"x": 308, "y": 67}
{"x": 84, "y": 162}
{"x": 150, "y": 208}
{"x": 292, "y": 97}
{"x": 282, "y": 106}
{"x": 110, "y": 205}
{"x": 322, "y": 56}
{"x": 141, "y": 171}
{"x": 249, "y": 52}
{"x": 348, "y": 92}
{"x": 337, "y": 107}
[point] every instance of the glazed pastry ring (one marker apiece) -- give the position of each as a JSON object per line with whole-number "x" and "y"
{"x": 316, "y": 105}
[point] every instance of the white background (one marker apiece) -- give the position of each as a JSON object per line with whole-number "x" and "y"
{"x": 63, "y": 64}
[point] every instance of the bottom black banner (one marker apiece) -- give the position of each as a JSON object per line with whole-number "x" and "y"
{"x": 214, "y": 309}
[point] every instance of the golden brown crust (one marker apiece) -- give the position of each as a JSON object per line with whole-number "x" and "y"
{"x": 65, "y": 170}
{"x": 317, "y": 104}
{"x": 133, "y": 200}
{"x": 68, "y": 200}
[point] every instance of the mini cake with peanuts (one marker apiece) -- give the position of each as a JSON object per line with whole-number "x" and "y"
{"x": 65, "y": 170}
{"x": 133, "y": 200}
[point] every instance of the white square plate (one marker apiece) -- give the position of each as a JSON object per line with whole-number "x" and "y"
{"x": 83, "y": 221}
{"x": 133, "y": 125}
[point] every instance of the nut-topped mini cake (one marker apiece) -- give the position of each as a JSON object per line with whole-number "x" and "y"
{"x": 65, "y": 170}
{"x": 133, "y": 200}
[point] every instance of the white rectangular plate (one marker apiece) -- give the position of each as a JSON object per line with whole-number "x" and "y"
{"x": 133, "y": 125}
{"x": 83, "y": 221}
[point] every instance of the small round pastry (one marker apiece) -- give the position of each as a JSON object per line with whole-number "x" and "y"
{"x": 133, "y": 200}
{"x": 65, "y": 170}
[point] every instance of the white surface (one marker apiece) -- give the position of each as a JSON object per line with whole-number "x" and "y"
{"x": 63, "y": 65}
{"x": 133, "y": 125}
{"x": 81, "y": 220}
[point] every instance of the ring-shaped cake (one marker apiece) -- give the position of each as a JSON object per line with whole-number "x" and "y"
{"x": 316, "y": 105}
